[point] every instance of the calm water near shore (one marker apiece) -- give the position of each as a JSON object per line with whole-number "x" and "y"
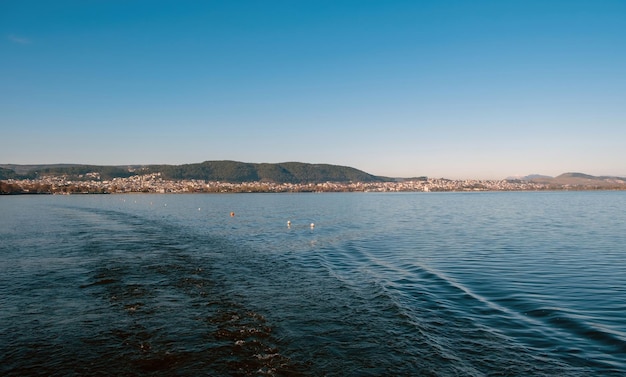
{"x": 415, "y": 284}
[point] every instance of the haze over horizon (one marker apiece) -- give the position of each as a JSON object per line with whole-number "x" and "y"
{"x": 455, "y": 89}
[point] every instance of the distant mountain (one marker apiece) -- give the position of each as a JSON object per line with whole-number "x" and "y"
{"x": 577, "y": 176}
{"x": 285, "y": 172}
{"x": 75, "y": 171}
{"x": 225, "y": 171}
{"x": 582, "y": 179}
{"x": 579, "y": 180}
{"x": 9, "y": 174}
{"x": 529, "y": 177}
{"x": 31, "y": 170}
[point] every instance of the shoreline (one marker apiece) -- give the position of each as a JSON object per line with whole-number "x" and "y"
{"x": 155, "y": 185}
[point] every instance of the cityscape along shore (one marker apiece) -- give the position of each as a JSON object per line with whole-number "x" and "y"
{"x": 154, "y": 183}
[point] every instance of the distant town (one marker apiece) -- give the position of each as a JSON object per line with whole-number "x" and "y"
{"x": 241, "y": 177}
{"x": 91, "y": 183}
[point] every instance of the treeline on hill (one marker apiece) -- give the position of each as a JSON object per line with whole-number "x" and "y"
{"x": 287, "y": 172}
{"x": 81, "y": 171}
{"x": 225, "y": 171}
{"x": 76, "y": 172}
{"x": 10, "y": 174}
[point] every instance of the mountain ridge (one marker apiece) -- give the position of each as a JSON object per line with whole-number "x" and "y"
{"x": 221, "y": 170}
{"x": 240, "y": 172}
{"x": 575, "y": 179}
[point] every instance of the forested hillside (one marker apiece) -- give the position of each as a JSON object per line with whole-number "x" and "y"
{"x": 225, "y": 171}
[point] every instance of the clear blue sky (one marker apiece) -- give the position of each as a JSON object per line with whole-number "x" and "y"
{"x": 455, "y": 89}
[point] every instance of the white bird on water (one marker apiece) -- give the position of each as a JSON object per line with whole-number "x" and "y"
{"x": 289, "y": 224}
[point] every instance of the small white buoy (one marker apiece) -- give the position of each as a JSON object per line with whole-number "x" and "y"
{"x": 198, "y": 209}
{"x": 312, "y": 225}
{"x": 288, "y": 224}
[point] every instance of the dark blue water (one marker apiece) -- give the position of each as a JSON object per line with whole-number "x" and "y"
{"x": 420, "y": 284}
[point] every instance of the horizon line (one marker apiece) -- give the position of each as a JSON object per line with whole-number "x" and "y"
{"x": 510, "y": 176}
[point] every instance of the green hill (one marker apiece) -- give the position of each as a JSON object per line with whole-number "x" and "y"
{"x": 225, "y": 171}
{"x": 13, "y": 171}
{"x": 9, "y": 174}
{"x": 576, "y": 176}
{"x": 581, "y": 180}
{"x": 286, "y": 172}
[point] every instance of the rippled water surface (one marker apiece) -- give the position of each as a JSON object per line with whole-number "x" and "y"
{"x": 421, "y": 284}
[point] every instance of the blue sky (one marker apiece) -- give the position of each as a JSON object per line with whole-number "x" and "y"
{"x": 457, "y": 89}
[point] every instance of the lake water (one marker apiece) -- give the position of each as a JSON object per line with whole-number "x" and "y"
{"x": 415, "y": 284}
